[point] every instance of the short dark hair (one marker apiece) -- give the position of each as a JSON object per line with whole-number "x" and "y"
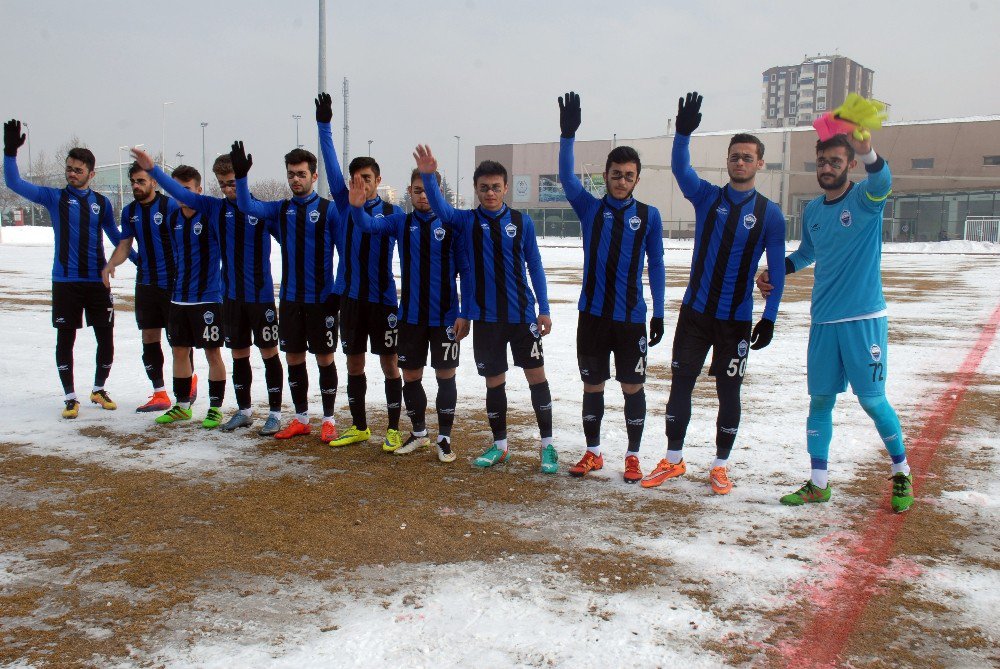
{"x": 135, "y": 167}
{"x": 622, "y": 155}
{"x": 415, "y": 176}
{"x": 85, "y": 156}
{"x": 186, "y": 173}
{"x": 746, "y": 138}
{"x": 489, "y": 168}
{"x": 361, "y": 162}
{"x": 834, "y": 142}
{"x": 296, "y": 156}
{"x": 222, "y": 165}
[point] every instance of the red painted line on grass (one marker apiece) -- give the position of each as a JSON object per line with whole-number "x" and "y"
{"x": 864, "y": 560}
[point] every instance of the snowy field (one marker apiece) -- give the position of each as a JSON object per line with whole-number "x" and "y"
{"x": 123, "y": 543}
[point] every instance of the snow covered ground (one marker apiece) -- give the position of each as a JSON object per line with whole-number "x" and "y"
{"x": 581, "y": 573}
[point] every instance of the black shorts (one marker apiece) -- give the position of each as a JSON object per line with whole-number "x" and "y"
{"x": 696, "y": 333}
{"x": 246, "y": 320}
{"x": 152, "y": 307}
{"x": 414, "y": 340}
{"x": 362, "y": 321}
{"x": 71, "y": 299}
{"x": 196, "y": 325}
{"x": 489, "y": 346}
{"x": 308, "y": 327}
{"x": 597, "y": 338}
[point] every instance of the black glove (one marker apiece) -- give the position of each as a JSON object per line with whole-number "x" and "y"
{"x": 688, "y": 113}
{"x": 762, "y": 334}
{"x": 569, "y": 114}
{"x": 241, "y": 161}
{"x": 12, "y": 137}
{"x": 324, "y": 108}
{"x": 655, "y": 330}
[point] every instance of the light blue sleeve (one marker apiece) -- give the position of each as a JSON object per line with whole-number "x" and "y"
{"x": 806, "y": 253}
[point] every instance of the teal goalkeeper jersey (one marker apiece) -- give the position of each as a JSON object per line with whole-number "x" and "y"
{"x": 844, "y": 238}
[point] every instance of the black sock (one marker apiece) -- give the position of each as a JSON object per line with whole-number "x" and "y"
{"x": 728, "y": 421}
{"x": 357, "y": 386}
{"x": 216, "y": 393}
{"x": 496, "y": 410}
{"x": 152, "y": 360}
{"x": 447, "y": 398}
{"x": 635, "y": 418}
{"x": 394, "y": 400}
{"x": 541, "y": 401}
{"x": 182, "y": 388}
{"x": 272, "y": 377}
{"x": 242, "y": 379}
{"x": 593, "y": 414}
{"x": 105, "y": 354}
{"x": 328, "y": 388}
{"x": 416, "y": 404}
{"x": 679, "y": 410}
{"x": 65, "y": 338}
{"x": 298, "y": 385}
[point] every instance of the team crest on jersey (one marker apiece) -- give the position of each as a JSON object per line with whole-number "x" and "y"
{"x": 393, "y": 321}
{"x": 157, "y": 218}
{"x": 749, "y": 221}
{"x": 534, "y": 330}
{"x": 642, "y": 344}
{"x": 314, "y": 216}
{"x": 722, "y": 211}
{"x": 742, "y": 347}
{"x": 252, "y": 220}
{"x": 269, "y": 315}
{"x": 511, "y": 230}
{"x": 330, "y": 322}
{"x": 634, "y": 223}
{"x": 845, "y": 218}
{"x": 876, "y": 352}
{"x": 96, "y": 208}
{"x": 209, "y": 318}
{"x": 450, "y": 332}
{"x": 439, "y": 234}
{"x": 197, "y": 228}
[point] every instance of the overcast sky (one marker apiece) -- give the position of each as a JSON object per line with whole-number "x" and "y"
{"x": 487, "y": 71}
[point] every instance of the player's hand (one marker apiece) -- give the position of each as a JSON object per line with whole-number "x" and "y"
{"x": 426, "y": 162}
{"x": 324, "y": 108}
{"x": 144, "y": 159}
{"x": 107, "y": 274}
{"x": 763, "y": 286}
{"x": 241, "y": 161}
{"x": 861, "y": 146}
{"x": 762, "y": 334}
{"x": 655, "y": 330}
{"x": 13, "y": 138}
{"x": 544, "y": 325}
{"x": 688, "y": 113}
{"x": 461, "y": 328}
{"x": 357, "y": 195}
{"x": 569, "y": 114}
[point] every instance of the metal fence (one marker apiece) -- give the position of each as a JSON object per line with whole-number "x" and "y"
{"x": 981, "y": 229}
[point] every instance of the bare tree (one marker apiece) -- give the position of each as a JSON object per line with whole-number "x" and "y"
{"x": 270, "y": 189}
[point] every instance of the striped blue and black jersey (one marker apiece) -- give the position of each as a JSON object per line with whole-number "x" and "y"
{"x": 148, "y": 224}
{"x": 245, "y": 242}
{"x": 430, "y": 257}
{"x": 197, "y": 255}
{"x": 306, "y": 228}
{"x": 78, "y": 217}
{"x": 732, "y": 230}
{"x": 368, "y": 276}
{"x": 619, "y": 236}
{"x": 499, "y": 246}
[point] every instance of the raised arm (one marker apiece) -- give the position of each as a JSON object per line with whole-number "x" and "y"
{"x": 242, "y": 162}
{"x": 13, "y": 138}
{"x": 196, "y": 201}
{"x": 384, "y": 225}
{"x": 334, "y": 175}
{"x": 569, "y": 122}
{"x": 878, "y": 185}
{"x": 427, "y": 164}
{"x": 688, "y": 120}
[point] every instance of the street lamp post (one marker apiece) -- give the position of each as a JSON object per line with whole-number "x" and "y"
{"x": 458, "y": 168}
{"x": 370, "y": 147}
{"x": 203, "y": 124}
{"x": 163, "y": 134}
{"x": 297, "y": 117}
